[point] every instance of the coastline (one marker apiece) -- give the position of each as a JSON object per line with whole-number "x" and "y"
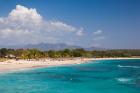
{"x": 13, "y": 65}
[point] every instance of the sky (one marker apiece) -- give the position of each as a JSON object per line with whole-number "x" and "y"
{"x": 99, "y": 23}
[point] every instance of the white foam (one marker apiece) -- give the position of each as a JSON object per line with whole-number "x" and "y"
{"x": 123, "y": 80}
{"x": 128, "y": 66}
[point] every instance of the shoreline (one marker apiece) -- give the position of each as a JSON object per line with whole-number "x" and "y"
{"x": 13, "y": 65}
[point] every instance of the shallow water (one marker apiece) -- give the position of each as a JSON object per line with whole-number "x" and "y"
{"x": 109, "y": 76}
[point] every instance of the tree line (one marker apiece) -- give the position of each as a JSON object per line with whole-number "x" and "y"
{"x": 66, "y": 53}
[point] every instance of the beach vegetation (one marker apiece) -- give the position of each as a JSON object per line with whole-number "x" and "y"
{"x": 29, "y": 54}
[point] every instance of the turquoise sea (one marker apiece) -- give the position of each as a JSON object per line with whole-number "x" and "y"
{"x": 108, "y": 76}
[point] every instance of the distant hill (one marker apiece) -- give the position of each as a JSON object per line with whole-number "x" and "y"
{"x": 44, "y": 46}
{"x": 47, "y": 46}
{"x": 94, "y": 48}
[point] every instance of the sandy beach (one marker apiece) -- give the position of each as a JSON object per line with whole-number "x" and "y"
{"x": 13, "y": 65}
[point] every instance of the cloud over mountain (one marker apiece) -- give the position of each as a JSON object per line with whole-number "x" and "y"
{"x": 25, "y": 25}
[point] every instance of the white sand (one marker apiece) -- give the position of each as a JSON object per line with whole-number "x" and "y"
{"x": 12, "y": 65}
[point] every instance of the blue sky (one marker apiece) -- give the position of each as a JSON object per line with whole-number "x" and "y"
{"x": 100, "y": 23}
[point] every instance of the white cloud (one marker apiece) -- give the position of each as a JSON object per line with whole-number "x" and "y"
{"x": 98, "y": 37}
{"x": 25, "y": 25}
{"x": 98, "y": 32}
{"x": 80, "y": 32}
{"x": 56, "y": 25}
{"x": 22, "y": 13}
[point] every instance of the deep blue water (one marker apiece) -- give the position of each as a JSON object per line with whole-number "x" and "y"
{"x": 110, "y": 76}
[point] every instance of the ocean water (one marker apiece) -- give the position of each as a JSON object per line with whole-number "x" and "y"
{"x": 108, "y": 76}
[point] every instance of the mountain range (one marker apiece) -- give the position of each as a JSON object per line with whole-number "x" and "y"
{"x": 47, "y": 46}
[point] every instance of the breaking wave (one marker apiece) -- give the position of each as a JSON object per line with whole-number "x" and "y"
{"x": 123, "y": 80}
{"x": 128, "y": 66}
